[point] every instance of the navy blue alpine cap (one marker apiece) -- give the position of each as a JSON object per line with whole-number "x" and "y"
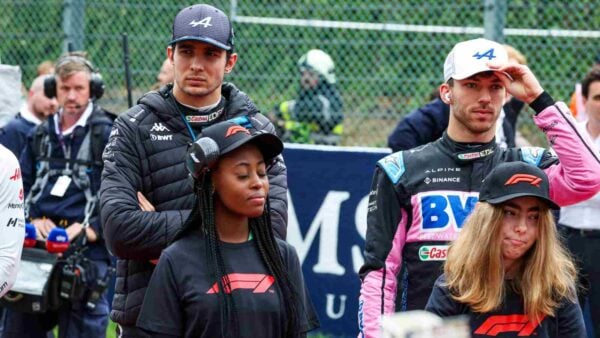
{"x": 203, "y": 23}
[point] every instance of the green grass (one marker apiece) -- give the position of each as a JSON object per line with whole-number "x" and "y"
{"x": 110, "y": 330}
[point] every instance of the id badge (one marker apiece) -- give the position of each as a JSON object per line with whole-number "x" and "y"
{"x": 61, "y": 185}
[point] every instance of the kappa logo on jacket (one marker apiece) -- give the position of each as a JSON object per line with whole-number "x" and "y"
{"x": 159, "y": 127}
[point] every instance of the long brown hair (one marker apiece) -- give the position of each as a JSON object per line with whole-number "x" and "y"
{"x": 475, "y": 273}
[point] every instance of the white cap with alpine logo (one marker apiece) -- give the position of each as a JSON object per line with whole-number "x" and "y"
{"x": 470, "y": 57}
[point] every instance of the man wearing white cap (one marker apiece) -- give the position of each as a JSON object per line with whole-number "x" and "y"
{"x": 420, "y": 198}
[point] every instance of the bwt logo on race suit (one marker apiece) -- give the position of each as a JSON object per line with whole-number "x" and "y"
{"x": 440, "y": 209}
{"x": 433, "y": 252}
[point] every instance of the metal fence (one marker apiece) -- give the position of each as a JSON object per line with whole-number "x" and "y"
{"x": 388, "y": 55}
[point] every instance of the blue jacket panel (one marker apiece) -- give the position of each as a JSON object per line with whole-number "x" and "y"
{"x": 14, "y": 134}
{"x": 420, "y": 126}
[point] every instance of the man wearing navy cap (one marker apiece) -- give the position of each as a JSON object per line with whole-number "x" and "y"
{"x": 146, "y": 194}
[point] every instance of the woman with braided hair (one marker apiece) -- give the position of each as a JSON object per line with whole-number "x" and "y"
{"x": 225, "y": 274}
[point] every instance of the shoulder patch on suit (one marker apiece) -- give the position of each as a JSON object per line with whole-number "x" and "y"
{"x": 393, "y": 165}
{"x": 532, "y": 155}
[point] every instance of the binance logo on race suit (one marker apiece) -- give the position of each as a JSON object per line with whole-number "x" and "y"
{"x": 257, "y": 282}
{"x": 433, "y": 253}
{"x": 442, "y": 209}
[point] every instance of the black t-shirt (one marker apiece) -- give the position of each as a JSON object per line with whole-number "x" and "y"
{"x": 509, "y": 320}
{"x": 181, "y": 299}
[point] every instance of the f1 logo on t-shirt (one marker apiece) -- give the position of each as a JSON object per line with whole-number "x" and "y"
{"x": 497, "y": 324}
{"x": 448, "y": 208}
{"x": 256, "y": 282}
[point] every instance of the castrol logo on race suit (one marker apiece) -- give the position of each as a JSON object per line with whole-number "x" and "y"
{"x": 433, "y": 253}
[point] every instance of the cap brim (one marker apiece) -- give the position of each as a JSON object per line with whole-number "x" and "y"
{"x": 202, "y": 39}
{"x": 268, "y": 144}
{"x": 474, "y": 72}
{"x": 505, "y": 198}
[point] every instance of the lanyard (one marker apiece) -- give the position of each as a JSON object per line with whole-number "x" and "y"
{"x": 187, "y": 124}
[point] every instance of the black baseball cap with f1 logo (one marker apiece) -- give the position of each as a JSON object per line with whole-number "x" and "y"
{"x": 203, "y": 23}
{"x": 515, "y": 179}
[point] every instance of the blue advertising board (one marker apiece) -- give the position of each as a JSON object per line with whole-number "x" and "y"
{"x": 328, "y": 196}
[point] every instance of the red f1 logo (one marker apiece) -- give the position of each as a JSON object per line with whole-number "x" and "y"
{"x": 531, "y": 179}
{"x": 256, "y": 282}
{"x": 496, "y": 325}
{"x": 236, "y": 129}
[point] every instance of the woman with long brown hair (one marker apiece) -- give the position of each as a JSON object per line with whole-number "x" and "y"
{"x": 508, "y": 270}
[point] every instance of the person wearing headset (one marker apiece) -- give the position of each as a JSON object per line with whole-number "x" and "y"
{"x": 61, "y": 171}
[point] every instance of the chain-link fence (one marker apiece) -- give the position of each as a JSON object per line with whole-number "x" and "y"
{"x": 388, "y": 55}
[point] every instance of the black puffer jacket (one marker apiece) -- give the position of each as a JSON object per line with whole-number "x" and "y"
{"x": 146, "y": 153}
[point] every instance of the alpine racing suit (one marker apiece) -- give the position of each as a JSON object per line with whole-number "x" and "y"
{"x": 420, "y": 198}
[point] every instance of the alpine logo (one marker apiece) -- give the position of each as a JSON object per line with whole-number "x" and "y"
{"x": 517, "y": 178}
{"x": 204, "y": 22}
{"x": 257, "y": 282}
{"x": 236, "y": 129}
{"x": 159, "y": 127}
{"x": 16, "y": 175}
{"x": 499, "y": 324}
{"x": 433, "y": 253}
{"x": 487, "y": 54}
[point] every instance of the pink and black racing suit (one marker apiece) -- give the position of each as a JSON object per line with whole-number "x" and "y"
{"x": 420, "y": 198}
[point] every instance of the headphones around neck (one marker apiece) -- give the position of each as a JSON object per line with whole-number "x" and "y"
{"x": 96, "y": 83}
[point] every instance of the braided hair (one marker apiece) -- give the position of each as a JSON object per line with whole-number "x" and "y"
{"x": 203, "y": 218}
